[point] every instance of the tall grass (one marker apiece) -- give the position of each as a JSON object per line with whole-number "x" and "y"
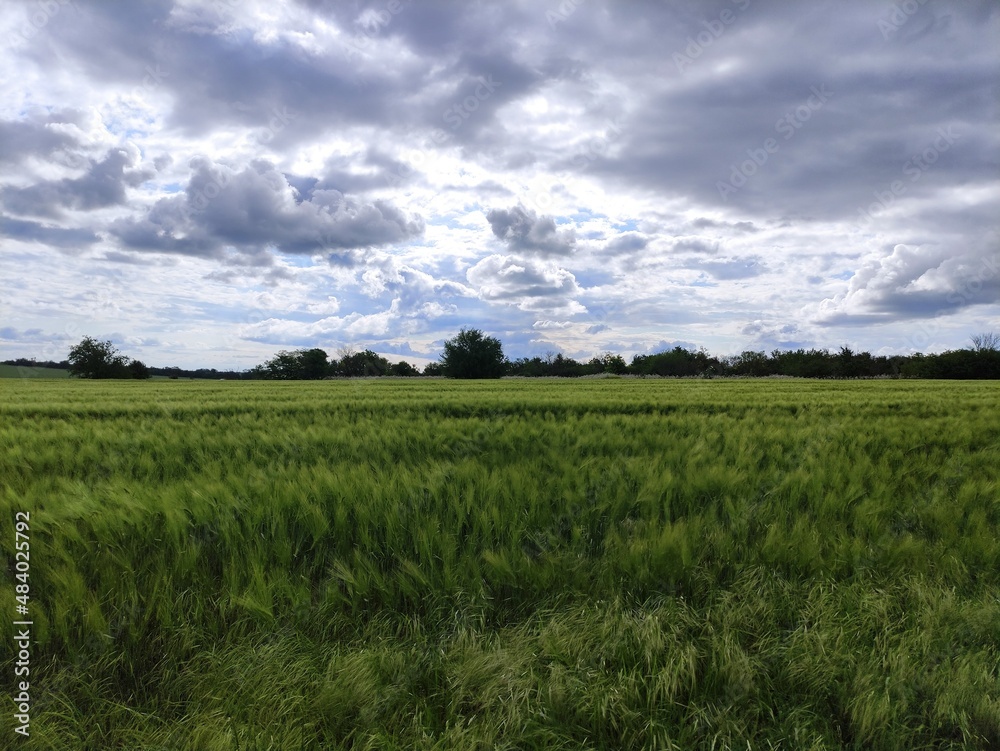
{"x": 626, "y": 564}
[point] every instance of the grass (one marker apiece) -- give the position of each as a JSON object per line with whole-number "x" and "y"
{"x": 514, "y": 564}
{"x": 23, "y": 371}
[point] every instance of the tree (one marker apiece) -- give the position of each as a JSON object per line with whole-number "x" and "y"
{"x": 403, "y": 368}
{"x": 93, "y": 359}
{"x": 988, "y": 342}
{"x": 472, "y": 354}
{"x": 137, "y": 369}
{"x": 313, "y": 364}
{"x": 361, "y": 364}
{"x": 614, "y": 364}
{"x": 300, "y": 365}
{"x": 750, "y": 363}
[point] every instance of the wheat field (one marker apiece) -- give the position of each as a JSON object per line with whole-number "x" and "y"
{"x": 428, "y": 564}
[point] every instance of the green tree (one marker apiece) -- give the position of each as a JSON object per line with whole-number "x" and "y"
{"x": 614, "y": 364}
{"x": 403, "y": 368}
{"x": 750, "y": 363}
{"x": 300, "y": 365}
{"x": 137, "y": 369}
{"x": 472, "y": 354}
{"x": 313, "y": 364}
{"x": 361, "y": 364}
{"x": 93, "y": 359}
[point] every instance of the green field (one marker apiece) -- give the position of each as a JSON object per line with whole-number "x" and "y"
{"x": 603, "y": 564}
{"x": 20, "y": 371}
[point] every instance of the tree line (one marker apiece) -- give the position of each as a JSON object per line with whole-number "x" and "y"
{"x": 315, "y": 364}
{"x": 472, "y": 354}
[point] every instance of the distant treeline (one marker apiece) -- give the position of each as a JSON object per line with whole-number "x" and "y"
{"x": 210, "y": 373}
{"x": 314, "y": 364}
{"x": 172, "y": 372}
{"x": 24, "y": 362}
{"x": 982, "y": 361}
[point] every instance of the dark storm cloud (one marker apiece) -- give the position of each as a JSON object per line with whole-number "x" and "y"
{"x": 256, "y": 208}
{"x": 523, "y": 230}
{"x": 103, "y": 184}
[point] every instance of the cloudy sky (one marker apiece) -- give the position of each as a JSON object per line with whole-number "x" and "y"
{"x": 207, "y": 182}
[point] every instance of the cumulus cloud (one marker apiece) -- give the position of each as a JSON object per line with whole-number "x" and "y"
{"x": 530, "y": 285}
{"x": 103, "y": 184}
{"x": 915, "y": 282}
{"x": 524, "y": 231}
{"x": 256, "y": 208}
{"x": 695, "y": 245}
{"x": 39, "y": 136}
{"x": 627, "y": 242}
{"x": 766, "y": 335}
{"x": 58, "y": 237}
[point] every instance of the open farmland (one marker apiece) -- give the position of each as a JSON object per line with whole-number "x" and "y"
{"x": 515, "y": 564}
{"x": 17, "y": 371}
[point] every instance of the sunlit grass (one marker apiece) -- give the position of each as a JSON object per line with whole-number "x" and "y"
{"x": 602, "y": 564}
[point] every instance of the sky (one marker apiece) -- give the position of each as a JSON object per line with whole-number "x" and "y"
{"x": 207, "y": 183}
